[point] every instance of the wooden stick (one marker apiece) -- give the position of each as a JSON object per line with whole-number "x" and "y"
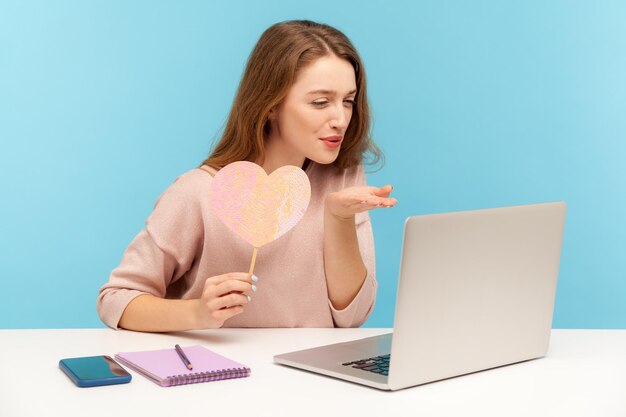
{"x": 253, "y": 260}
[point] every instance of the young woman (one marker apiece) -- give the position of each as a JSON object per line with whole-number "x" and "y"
{"x": 302, "y": 101}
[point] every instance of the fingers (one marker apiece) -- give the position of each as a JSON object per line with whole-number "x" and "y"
{"x": 230, "y": 286}
{"x": 232, "y": 276}
{"x": 371, "y": 196}
{"x": 383, "y": 191}
{"x": 224, "y": 285}
{"x": 373, "y": 203}
{"x": 346, "y": 203}
{"x": 228, "y": 300}
{"x": 226, "y": 313}
{"x": 380, "y": 197}
{"x": 225, "y": 296}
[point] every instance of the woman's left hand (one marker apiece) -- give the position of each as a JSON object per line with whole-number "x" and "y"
{"x": 346, "y": 203}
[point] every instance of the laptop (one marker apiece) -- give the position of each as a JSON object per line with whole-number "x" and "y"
{"x": 476, "y": 291}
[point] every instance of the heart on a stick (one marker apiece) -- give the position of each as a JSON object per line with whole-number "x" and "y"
{"x": 259, "y": 207}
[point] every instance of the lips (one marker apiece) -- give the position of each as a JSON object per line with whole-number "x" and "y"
{"x": 335, "y": 138}
{"x": 332, "y": 141}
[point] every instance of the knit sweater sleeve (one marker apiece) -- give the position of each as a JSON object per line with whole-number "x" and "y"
{"x": 357, "y": 312}
{"x": 159, "y": 255}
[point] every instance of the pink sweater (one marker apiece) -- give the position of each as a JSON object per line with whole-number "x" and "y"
{"x": 183, "y": 243}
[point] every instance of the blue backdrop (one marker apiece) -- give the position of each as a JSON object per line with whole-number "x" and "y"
{"x": 476, "y": 104}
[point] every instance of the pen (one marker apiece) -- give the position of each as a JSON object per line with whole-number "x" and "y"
{"x": 183, "y": 357}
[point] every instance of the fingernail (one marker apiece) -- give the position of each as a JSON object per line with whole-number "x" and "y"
{"x": 254, "y": 288}
{"x": 249, "y": 298}
{"x": 255, "y": 278}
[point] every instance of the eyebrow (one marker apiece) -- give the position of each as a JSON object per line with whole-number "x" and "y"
{"x": 329, "y": 92}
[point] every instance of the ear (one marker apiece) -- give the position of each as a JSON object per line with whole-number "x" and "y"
{"x": 273, "y": 114}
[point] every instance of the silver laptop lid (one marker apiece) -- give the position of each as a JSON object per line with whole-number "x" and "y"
{"x": 476, "y": 291}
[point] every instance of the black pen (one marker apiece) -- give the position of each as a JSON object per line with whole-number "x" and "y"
{"x": 183, "y": 357}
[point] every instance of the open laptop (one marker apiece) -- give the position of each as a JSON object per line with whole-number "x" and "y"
{"x": 476, "y": 291}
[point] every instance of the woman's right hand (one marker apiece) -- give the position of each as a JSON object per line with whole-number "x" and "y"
{"x": 223, "y": 297}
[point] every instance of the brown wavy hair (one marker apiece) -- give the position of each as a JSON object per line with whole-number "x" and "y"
{"x": 283, "y": 50}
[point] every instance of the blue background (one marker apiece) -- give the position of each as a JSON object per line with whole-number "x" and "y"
{"x": 476, "y": 104}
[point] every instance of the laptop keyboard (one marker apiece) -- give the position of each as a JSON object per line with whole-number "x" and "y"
{"x": 377, "y": 364}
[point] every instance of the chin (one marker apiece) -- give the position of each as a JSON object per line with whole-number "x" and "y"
{"x": 324, "y": 159}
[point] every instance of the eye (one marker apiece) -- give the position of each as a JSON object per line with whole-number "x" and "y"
{"x": 320, "y": 103}
{"x": 350, "y": 102}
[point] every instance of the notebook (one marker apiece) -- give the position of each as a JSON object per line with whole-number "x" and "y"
{"x": 165, "y": 367}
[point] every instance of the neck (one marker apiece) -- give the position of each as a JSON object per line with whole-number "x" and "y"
{"x": 276, "y": 158}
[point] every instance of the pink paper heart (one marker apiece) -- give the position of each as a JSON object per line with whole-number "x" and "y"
{"x": 257, "y": 207}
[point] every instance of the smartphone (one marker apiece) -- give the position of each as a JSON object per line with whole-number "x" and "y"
{"x": 93, "y": 371}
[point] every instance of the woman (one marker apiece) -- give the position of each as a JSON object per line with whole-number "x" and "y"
{"x": 302, "y": 101}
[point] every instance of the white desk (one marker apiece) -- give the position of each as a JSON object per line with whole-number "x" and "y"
{"x": 584, "y": 374}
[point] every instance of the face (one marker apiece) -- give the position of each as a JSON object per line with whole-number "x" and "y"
{"x": 313, "y": 118}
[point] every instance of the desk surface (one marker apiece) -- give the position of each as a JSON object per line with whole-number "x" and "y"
{"x": 584, "y": 374}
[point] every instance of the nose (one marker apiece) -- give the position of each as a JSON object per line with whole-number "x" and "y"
{"x": 340, "y": 117}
